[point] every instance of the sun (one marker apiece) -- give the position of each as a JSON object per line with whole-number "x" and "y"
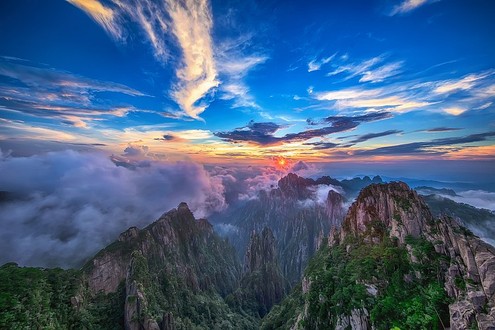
{"x": 281, "y": 163}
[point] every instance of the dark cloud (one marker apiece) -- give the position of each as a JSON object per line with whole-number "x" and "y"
{"x": 259, "y": 133}
{"x": 167, "y": 137}
{"x": 311, "y": 122}
{"x": 321, "y": 145}
{"x": 262, "y": 133}
{"x": 370, "y": 136}
{"x": 70, "y": 204}
{"x": 422, "y": 147}
{"x": 374, "y": 116}
{"x": 440, "y": 129}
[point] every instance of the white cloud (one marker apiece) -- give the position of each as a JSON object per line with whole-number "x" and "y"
{"x": 454, "y": 111}
{"x": 62, "y": 218}
{"x": 234, "y": 65}
{"x": 407, "y": 6}
{"x": 453, "y": 85}
{"x": 345, "y": 94}
{"x": 315, "y": 65}
{"x": 101, "y": 14}
{"x": 188, "y": 21}
{"x": 391, "y": 103}
{"x": 382, "y": 72}
{"x": 357, "y": 69}
{"x": 191, "y": 25}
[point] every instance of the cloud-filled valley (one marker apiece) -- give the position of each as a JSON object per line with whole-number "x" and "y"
{"x": 61, "y": 207}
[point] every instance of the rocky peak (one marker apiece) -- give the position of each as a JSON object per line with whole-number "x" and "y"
{"x": 334, "y": 207}
{"x": 294, "y": 186}
{"x": 176, "y": 232}
{"x": 391, "y": 209}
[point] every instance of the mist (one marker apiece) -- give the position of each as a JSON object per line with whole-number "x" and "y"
{"x": 62, "y": 207}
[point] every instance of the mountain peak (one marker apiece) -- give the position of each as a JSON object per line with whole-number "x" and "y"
{"x": 391, "y": 209}
{"x": 294, "y": 186}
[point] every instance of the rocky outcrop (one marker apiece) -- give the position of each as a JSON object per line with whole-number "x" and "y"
{"x": 397, "y": 211}
{"x": 334, "y": 205}
{"x": 175, "y": 237}
{"x": 470, "y": 278}
{"x": 358, "y": 320}
{"x": 386, "y": 209}
{"x": 293, "y": 186}
{"x": 136, "y": 316}
{"x": 262, "y": 281}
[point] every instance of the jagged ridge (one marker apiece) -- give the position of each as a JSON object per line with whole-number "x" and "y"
{"x": 390, "y": 241}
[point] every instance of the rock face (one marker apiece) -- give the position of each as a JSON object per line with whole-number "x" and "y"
{"x": 262, "y": 281}
{"x": 392, "y": 207}
{"x": 297, "y": 220}
{"x": 386, "y": 218}
{"x": 470, "y": 278}
{"x": 136, "y": 305}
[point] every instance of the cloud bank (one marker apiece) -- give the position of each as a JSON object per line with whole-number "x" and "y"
{"x": 62, "y": 207}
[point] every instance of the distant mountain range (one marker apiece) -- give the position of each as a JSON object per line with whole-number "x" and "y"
{"x": 293, "y": 257}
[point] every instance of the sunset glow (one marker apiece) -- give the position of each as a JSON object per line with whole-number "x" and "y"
{"x": 386, "y": 87}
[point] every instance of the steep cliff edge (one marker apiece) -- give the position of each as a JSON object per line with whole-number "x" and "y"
{"x": 393, "y": 264}
{"x": 262, "y": 284}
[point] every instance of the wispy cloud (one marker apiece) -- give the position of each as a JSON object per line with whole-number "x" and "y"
{"x": 360, "y": 98}
{"x": 407, "y": 6}
{"x": 191, "y": 25}
{"x": 381, "y": 73}
{"x": 455, "y": 96}
{"x": 427, "y": 147}
{"x": 187, "y": 22}
{"x": 315, "y": 64}
{"x": 101, "y": 14}
{"x": 234, "y": 67}
{"x": 371, "y": 70}
{"x": 43, "y": 77}
{"x": 454, "y": 85}
{"x": 44, "y": 92}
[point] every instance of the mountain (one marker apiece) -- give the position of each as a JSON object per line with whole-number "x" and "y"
{"x": 297, "y": 219}
{"x": 393, "y": 264}
{"x": 173, "y": 274}
{"x": 388, "y": 262}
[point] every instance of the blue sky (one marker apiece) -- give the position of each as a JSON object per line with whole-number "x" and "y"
{"x": 243, "y": 81}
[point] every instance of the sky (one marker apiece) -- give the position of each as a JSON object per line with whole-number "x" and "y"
{"x": 112, "y": 112}
{"x": 244, "y": 81}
